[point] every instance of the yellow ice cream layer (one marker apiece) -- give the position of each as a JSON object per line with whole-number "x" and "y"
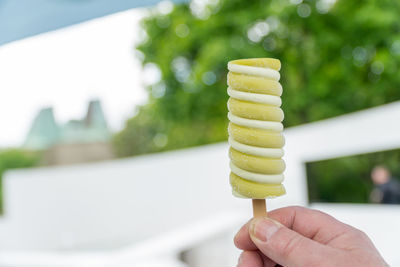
{"x": 271, "y": 63}
{"x": 256, "y": 137}
{"x": 254, "y": 84}
{"x": 256, "y": 164}
{"x": 255, "y": 111}
{"x": 255, "y": 154}
{"x": 255, "y": 190}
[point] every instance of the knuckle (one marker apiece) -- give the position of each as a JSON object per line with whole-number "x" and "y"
{"x": 320, "y": 213}
{"x": 364, "y": 238}
{"x": 289, "y": 247}
{"x": 359, "y": 234}
{"x": 298, "y": 208}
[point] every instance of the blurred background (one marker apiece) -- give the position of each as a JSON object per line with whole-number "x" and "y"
{"x": 113, "y": 124}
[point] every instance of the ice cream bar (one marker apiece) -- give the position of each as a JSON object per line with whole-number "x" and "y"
{"x": 255, "y": 128}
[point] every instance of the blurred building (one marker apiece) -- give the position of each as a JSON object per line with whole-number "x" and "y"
{"x": 76, "y": 141}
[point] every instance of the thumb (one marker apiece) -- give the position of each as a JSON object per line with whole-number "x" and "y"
{"x": 287, "y": 247}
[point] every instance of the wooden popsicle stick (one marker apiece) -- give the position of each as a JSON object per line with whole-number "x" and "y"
{"x": 259, "y": 208}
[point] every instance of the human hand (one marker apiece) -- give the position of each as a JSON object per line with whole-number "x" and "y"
{"x": 297, "y": 236}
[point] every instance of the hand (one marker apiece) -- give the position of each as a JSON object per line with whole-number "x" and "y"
{"x": 296, "y": 236}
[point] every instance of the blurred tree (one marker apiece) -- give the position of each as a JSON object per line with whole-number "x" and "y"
{"x": 13, "y": 159}
{"x": 348, "y": 179}
{"x": 336, "y": 58}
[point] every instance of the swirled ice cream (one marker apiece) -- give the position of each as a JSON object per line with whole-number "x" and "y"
{"x": 255, "y": 128}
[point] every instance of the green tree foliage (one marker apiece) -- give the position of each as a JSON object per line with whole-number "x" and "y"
{"x": 335, "y": 59}
{"x": 13, "y": 159}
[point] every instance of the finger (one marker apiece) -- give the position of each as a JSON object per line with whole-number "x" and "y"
{"x": 286, "y": 247}
{"x": 321, "y": 227}
{"x": 267, "y": 261}
{"x": 313, "y": 224}
{"x": 242, "y": 239}
{"x": 250, "y": 259}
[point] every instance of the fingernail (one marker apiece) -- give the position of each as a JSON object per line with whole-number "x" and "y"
{"x": 263, "y": 228}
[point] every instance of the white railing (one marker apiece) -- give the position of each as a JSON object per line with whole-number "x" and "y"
{"x": 154, "y": 207}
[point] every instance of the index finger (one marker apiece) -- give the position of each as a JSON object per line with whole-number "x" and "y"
{"x": 313, "y": 224}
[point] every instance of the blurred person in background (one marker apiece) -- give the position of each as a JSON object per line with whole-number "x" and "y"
{"x": 387, "y": 188}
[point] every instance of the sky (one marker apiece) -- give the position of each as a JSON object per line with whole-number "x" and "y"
{"x": 67, "y": 68}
